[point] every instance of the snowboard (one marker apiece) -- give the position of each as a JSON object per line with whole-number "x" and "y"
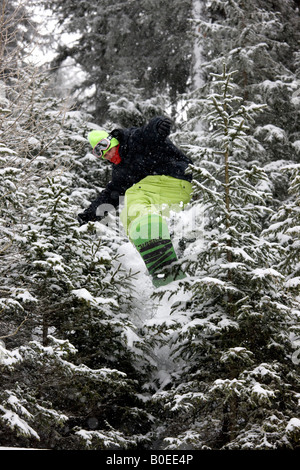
{"x": 151, "y": 237}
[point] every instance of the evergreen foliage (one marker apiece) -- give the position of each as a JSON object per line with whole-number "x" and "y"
{"x": 61, "y": 283}
{"x": 232, "y": 336}
{"x": 138, "y": 41}
{"x": 255, "y": 38}
{"x": 90, "y": 356}
{"x": 284, "y": 228}
{"x": 66, "y": 283}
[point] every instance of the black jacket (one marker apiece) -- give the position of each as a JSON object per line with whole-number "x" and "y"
{"x": 143, "y": 152}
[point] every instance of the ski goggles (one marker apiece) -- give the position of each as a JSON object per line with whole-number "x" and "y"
{"x": 101, "y": 147}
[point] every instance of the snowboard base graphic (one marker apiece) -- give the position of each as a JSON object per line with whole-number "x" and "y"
{"x": 151, "y": 237}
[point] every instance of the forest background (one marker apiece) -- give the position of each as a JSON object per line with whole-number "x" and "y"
{"x": 91, "y": 356}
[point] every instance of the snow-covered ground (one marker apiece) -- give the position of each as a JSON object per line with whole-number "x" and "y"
{"x": 156, "y": 310}
{"x": 20, "y": 448}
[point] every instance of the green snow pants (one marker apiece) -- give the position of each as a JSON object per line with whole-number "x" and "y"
{"x": 147, "y": 203}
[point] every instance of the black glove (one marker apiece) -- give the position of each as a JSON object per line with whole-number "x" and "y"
{"x": 164, "y": 127}
{"x": 85, "y": 217}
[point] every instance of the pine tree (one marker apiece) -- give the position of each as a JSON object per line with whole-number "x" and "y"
{"x": 27, "y": 128}
{"x": 259, "y": 40}
{"x": 18, "y": 33}
{"x": 78, "y": 292}
{"x": 284, "y": 228}
{"x": 58, "y": 404}
{"x": 123, "y": 39}
{"x": 232, "y": 337}
{"x": 61, "y": 282}
{"x": 127, "y": 105}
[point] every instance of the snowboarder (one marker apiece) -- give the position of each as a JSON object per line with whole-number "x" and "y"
{"x": 151, "y": 172}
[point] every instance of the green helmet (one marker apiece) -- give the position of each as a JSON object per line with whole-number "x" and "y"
{"x": 95, "y": 137}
